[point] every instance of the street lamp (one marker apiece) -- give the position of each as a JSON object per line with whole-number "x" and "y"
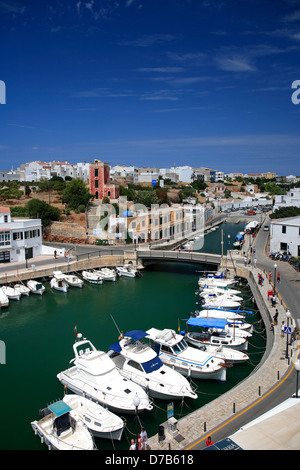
{"x": 136, "y": 402}
{"x": 297, "y": 367}
{"x": 288, "y": 314}
{"x": 275, "y": 266}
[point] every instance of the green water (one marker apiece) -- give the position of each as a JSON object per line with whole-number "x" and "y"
{"x": 39, "y": 333}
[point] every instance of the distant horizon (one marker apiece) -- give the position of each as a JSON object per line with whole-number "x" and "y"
{"x": 151, "y": 83}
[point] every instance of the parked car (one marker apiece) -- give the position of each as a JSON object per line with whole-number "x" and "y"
{"x": 251, "y": 212}
{"x": 266, "y": 227}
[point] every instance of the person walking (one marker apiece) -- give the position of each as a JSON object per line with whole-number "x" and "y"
{"x": 278, "y": 277}
{"x": 282, "y": 329}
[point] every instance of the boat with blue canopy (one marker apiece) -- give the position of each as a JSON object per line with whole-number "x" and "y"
{"x": 213, "y": 332}
{"x": 61, "y": 429}
{"x": 138, "y": 362}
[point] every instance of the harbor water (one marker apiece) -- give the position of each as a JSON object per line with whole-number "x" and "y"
{"x": 38, "y": 332}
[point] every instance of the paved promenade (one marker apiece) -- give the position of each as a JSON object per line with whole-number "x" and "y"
{"x": 194, "y": 429}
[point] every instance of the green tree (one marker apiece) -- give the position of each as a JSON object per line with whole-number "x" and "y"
{"x": 76, "y": 194}
{"x": 38, "y": 209}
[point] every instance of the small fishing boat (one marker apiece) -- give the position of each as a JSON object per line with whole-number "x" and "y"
{"x": 22, "y": 289}
{"x": 138, "y": 362}
{"x": 108, "y": 274}
{"x": 174, "y": 351}
{"x": 73, "y": 280}
{"x": 61, "y": 429}
{"x": 36, "y": 287}
{"x": 92, "y": 277}
{"x": 11, "y": 293}
{"x": 100, "y": 421}
{"x": 93, "y": 374}
{"x": 58, "y": 282}
{"x": 128, "y": 271}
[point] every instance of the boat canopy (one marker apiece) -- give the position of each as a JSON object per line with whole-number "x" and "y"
{"x": 115, "y": 347}
{"x": 239, "y": 237}
{"x": 59, "y": 408}
{"x": 136, "y": 334}
{"x": 207, "y": 322}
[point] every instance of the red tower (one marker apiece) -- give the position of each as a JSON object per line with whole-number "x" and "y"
{"x": 100, "y": 185}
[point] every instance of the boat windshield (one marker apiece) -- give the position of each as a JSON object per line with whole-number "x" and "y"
{"x": 179, "y": 347}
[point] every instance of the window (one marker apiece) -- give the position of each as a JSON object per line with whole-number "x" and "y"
{"x": 18, "y": 236}
{"x": 283, "y": 246}
{"x": 96, "y": 183}
{"x": 6, "y": 218}
{"x": 96, "y": 172}
{"x": 284, "y": 229}
{"x": 4, "y": 238}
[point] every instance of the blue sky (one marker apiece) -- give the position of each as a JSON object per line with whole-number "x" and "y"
{"x": 151, "y": 83}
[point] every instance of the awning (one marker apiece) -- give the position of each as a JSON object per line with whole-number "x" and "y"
{"x": 115, "y": 347}
{"x": 59, "y": 408}
{"x": 239, "y": 237}
{"x": 207, "y": 322}
{"x": 152, "y": 365}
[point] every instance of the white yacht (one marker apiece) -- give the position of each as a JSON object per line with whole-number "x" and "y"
{"x": 92, "y": 277}
{"x": 36, "y": 287}
{"x": 11, "y": 293}
{"x": 215, "y": 333}
{"x": 58, "y": 282}
{"x": 95, "y": 376}
{"x": 138, "y": 362}
{"x": 22, "y": 289}
{"x": 61, "y": 429}
{"x": 100, "y": 421}
{"x": 173, "y": 351}
{"x": 217, "y": 290}
{"x": 212, "y": 281}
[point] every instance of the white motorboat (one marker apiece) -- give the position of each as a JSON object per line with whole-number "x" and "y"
{"x": 215, "y": 281}
{"x": 36, "y": 287}
{"x": 73, "y": 280}
{"x": 4, "y": 300}
{"x": 218, "y": 302}
{"x": 173, "y": 351}
{"x": 61, "y": 429}
{"x": 11, "y": 293}
{"x": 217, "y": 290}
{"x": 92, "y": 277}
{"x": 100, "y": 421}
{"x": 22, "y": 289}
{"x": 95, "y": 376}
{"x": 138, "y": 362}
{"x": 233, "y": 318}
{"x": 217, "y": 294}
{"x": 215, "y": 333}
{"x": 58, "y": 282}
{"x": 229, "y": 355}
{"x": 108, "y": 274}
{"x": 127, "y": 271}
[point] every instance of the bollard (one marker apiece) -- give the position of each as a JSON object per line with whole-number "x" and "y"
{"x": 259, "y": 391}
{"x": 278, "y": 376}
{"x": 233, "y": 407}
{"x": 204, "y": 426}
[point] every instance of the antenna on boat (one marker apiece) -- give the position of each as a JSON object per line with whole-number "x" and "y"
{"x": 120, "y": 333}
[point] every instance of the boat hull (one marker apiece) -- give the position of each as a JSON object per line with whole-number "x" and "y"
{"x": 190, "y": 370}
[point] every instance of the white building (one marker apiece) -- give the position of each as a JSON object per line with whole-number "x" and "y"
{"x": 184, "y": 173}
{"x": 127, "y": 172}
{"x": 36, "y": 170}
{"x": 20, "y": 239}
{"x": 285, "y": 235}
{"x": 148, "y": 175}
{"x": 292, "y": 198}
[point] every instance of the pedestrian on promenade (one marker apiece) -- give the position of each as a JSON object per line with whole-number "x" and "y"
{"x": 255, "y": 261}
{"x": 270, "y": 276}
{"x": 282, "y": 329}
{"x": 245, "y": 261}
{"x": 209, "y": 441}
{"x": 275, "y": 320}
{"x": 144, "y": 439}
{"x": 278, "y": 277}
{"x": 273, "y": 301}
